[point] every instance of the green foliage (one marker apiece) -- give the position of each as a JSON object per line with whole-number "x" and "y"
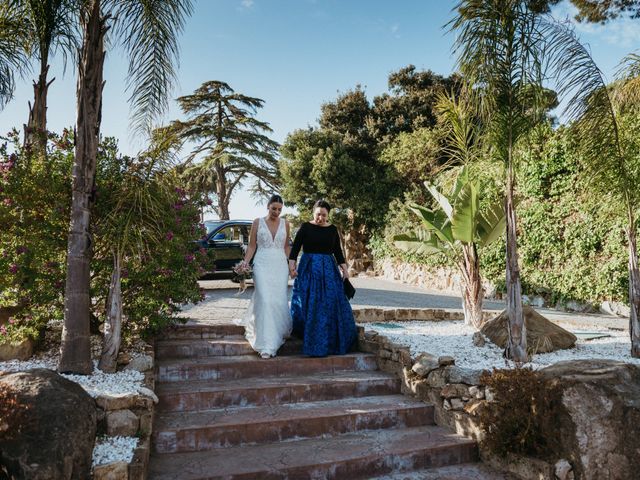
{"x": 415, "y": 157}
{"x": 572, "y": 244}
{"x": 228, "y": 144}
{"x": 520, "y": 419}
{"x": 160, "y": 267}
{"x": 457, "y": 220}
{"x": 35, "y": 194}
{"x": 160, "y": 273}
{"x": 318, "y": 164}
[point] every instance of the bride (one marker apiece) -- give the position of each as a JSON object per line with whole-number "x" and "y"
{"x": 267, "y": 321}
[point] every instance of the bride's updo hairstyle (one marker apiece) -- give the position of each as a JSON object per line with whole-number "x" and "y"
{"x": 275, "y": 198}
{"x": 322, "y": 204}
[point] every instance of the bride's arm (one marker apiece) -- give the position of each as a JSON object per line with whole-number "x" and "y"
{"x": 253, "y": 239}
{"x": 287, "y": 241}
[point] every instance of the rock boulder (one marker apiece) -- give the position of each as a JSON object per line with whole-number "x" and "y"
{"x": 598, "y": 426}
{"x": 51, "y": 430}
{"x": 542, "y": 335}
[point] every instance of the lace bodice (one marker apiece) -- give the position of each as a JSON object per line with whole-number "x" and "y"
{"x": 266, "y": 240}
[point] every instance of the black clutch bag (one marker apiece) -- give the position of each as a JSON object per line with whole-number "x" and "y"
{"x": 349, "y": 289}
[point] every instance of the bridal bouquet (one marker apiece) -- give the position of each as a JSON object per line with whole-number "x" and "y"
{"x": 241, "y": 272}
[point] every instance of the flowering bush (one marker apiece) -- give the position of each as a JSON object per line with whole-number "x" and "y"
{"x": 35, "y": 195}
{"x": 159, "y": 267}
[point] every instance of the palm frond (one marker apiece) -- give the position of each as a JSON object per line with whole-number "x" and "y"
{"x": 500, "y": 53}
{"x": 149, "y": 32}
{"x": 16, "y": 46}
{"x": 590, "y": 106}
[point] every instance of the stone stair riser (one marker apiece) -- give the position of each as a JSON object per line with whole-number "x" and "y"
{"x": 359, "y": 468}
{"x": 264, "y": 368}
{"x": 275, "y": 395}
{"x": 210, "y": 437}
{"x": 214, "y": 348}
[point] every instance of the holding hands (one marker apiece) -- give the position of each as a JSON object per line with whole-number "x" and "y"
{"x": 293, "y": 273}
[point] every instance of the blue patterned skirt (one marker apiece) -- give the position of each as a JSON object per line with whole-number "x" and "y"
{"x": 321, "y": 313}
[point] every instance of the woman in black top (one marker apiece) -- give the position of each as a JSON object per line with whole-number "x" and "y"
{"x": 321, "y": 313}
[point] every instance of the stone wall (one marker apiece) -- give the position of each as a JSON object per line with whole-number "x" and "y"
{"x": 129, "y": 415}
{"x": 456, "y": 394}
{"x": 438, "y": 278}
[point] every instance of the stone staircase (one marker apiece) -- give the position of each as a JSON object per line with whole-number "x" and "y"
{"x": 224, "y": 413}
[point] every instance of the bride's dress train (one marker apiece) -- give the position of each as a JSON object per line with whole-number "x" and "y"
{"x": 267, "y": 321}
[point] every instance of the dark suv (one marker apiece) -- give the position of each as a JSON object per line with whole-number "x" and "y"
{"x": 228, "y": 239}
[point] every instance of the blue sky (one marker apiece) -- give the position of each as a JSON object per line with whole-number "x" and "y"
{"x": 296, "y": 55}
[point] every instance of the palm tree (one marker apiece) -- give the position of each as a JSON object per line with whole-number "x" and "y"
{"x": 605, "y": 120}
{"x": 131, "y": 227}
{"x": 500, "y": 53}
{"x": 52, "y": 24}
{"x": 15, "y": 48}
{"x": 456, "y": 229}
{"x": 148, "y": 32}
{"x": 229, "y": 140}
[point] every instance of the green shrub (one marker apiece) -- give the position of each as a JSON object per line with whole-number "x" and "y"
{"x": 35, "y": 195}
{"x": 571, "y": 244}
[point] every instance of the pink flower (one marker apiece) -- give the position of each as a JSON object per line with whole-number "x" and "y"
{"x": 189, "y": 257}
{"x": 169, "y": 236}
{"x": 7, "y": 202}
{"x": 3, "y": 330}
{"x": 178, "y": 206}
{"x": 208, "y": 201}
{"x": 21, "y": 249}
{"x": 203, "y": 251}
{"x": 13, "y": 268}
{"x": 11, "y": 320}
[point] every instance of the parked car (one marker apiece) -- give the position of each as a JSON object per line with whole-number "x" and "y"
{"x": 228, "y": 239}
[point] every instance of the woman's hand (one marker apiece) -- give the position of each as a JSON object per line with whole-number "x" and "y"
{"x": 292, "y": 269}
{"x": 345, "y": 271}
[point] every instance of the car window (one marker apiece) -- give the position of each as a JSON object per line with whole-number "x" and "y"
{"x": 211, "y": 226}
{"x": 232, "y": 234}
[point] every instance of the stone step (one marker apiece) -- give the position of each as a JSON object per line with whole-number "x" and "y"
{"x": 191, "y": 331}
{"x": 213, "y": 347}
{"x": 219, "y": 428}
{"x": 464, "y": 471}
{"x": 205, "y": 394}
{"x": 355, "y": 456}
{"x": 251, "y": 366}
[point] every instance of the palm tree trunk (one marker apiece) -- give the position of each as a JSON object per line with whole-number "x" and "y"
{"x": 634, "y": 287}
{"x": 472, "y": 291}
{"x": 35, "y": 132}
{"x": 517, "y": 342}
{"x": 76, "y": 351}
{"x": 113, "y": 324}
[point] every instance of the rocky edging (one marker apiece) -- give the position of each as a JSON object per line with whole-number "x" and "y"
{"x": 129, "y": 415}
{"x": 457, "y": 395}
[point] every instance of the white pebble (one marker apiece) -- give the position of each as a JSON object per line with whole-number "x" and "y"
{"x": 114, "y": 449}
{"x": 454, "y": 338}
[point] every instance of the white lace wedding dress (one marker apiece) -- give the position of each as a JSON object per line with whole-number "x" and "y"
{"x": 267, "y": 321}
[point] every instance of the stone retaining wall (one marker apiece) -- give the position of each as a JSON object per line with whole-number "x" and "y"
{"x": 434, "y": 278}
{"x": 129, "y": 415}
{"x": 455, "y": 392}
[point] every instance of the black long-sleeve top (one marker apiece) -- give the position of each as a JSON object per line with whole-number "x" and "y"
{"x": 316, "y": 239}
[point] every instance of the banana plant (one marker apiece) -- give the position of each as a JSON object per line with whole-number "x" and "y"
{"x": 456, "y": 228}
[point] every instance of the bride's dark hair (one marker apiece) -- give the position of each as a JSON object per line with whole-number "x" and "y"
{"x": 275, "y": 198}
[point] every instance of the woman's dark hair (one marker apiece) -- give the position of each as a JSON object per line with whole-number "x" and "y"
{"x": 322, "y": 204}
{"x": 275, "y": 198}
